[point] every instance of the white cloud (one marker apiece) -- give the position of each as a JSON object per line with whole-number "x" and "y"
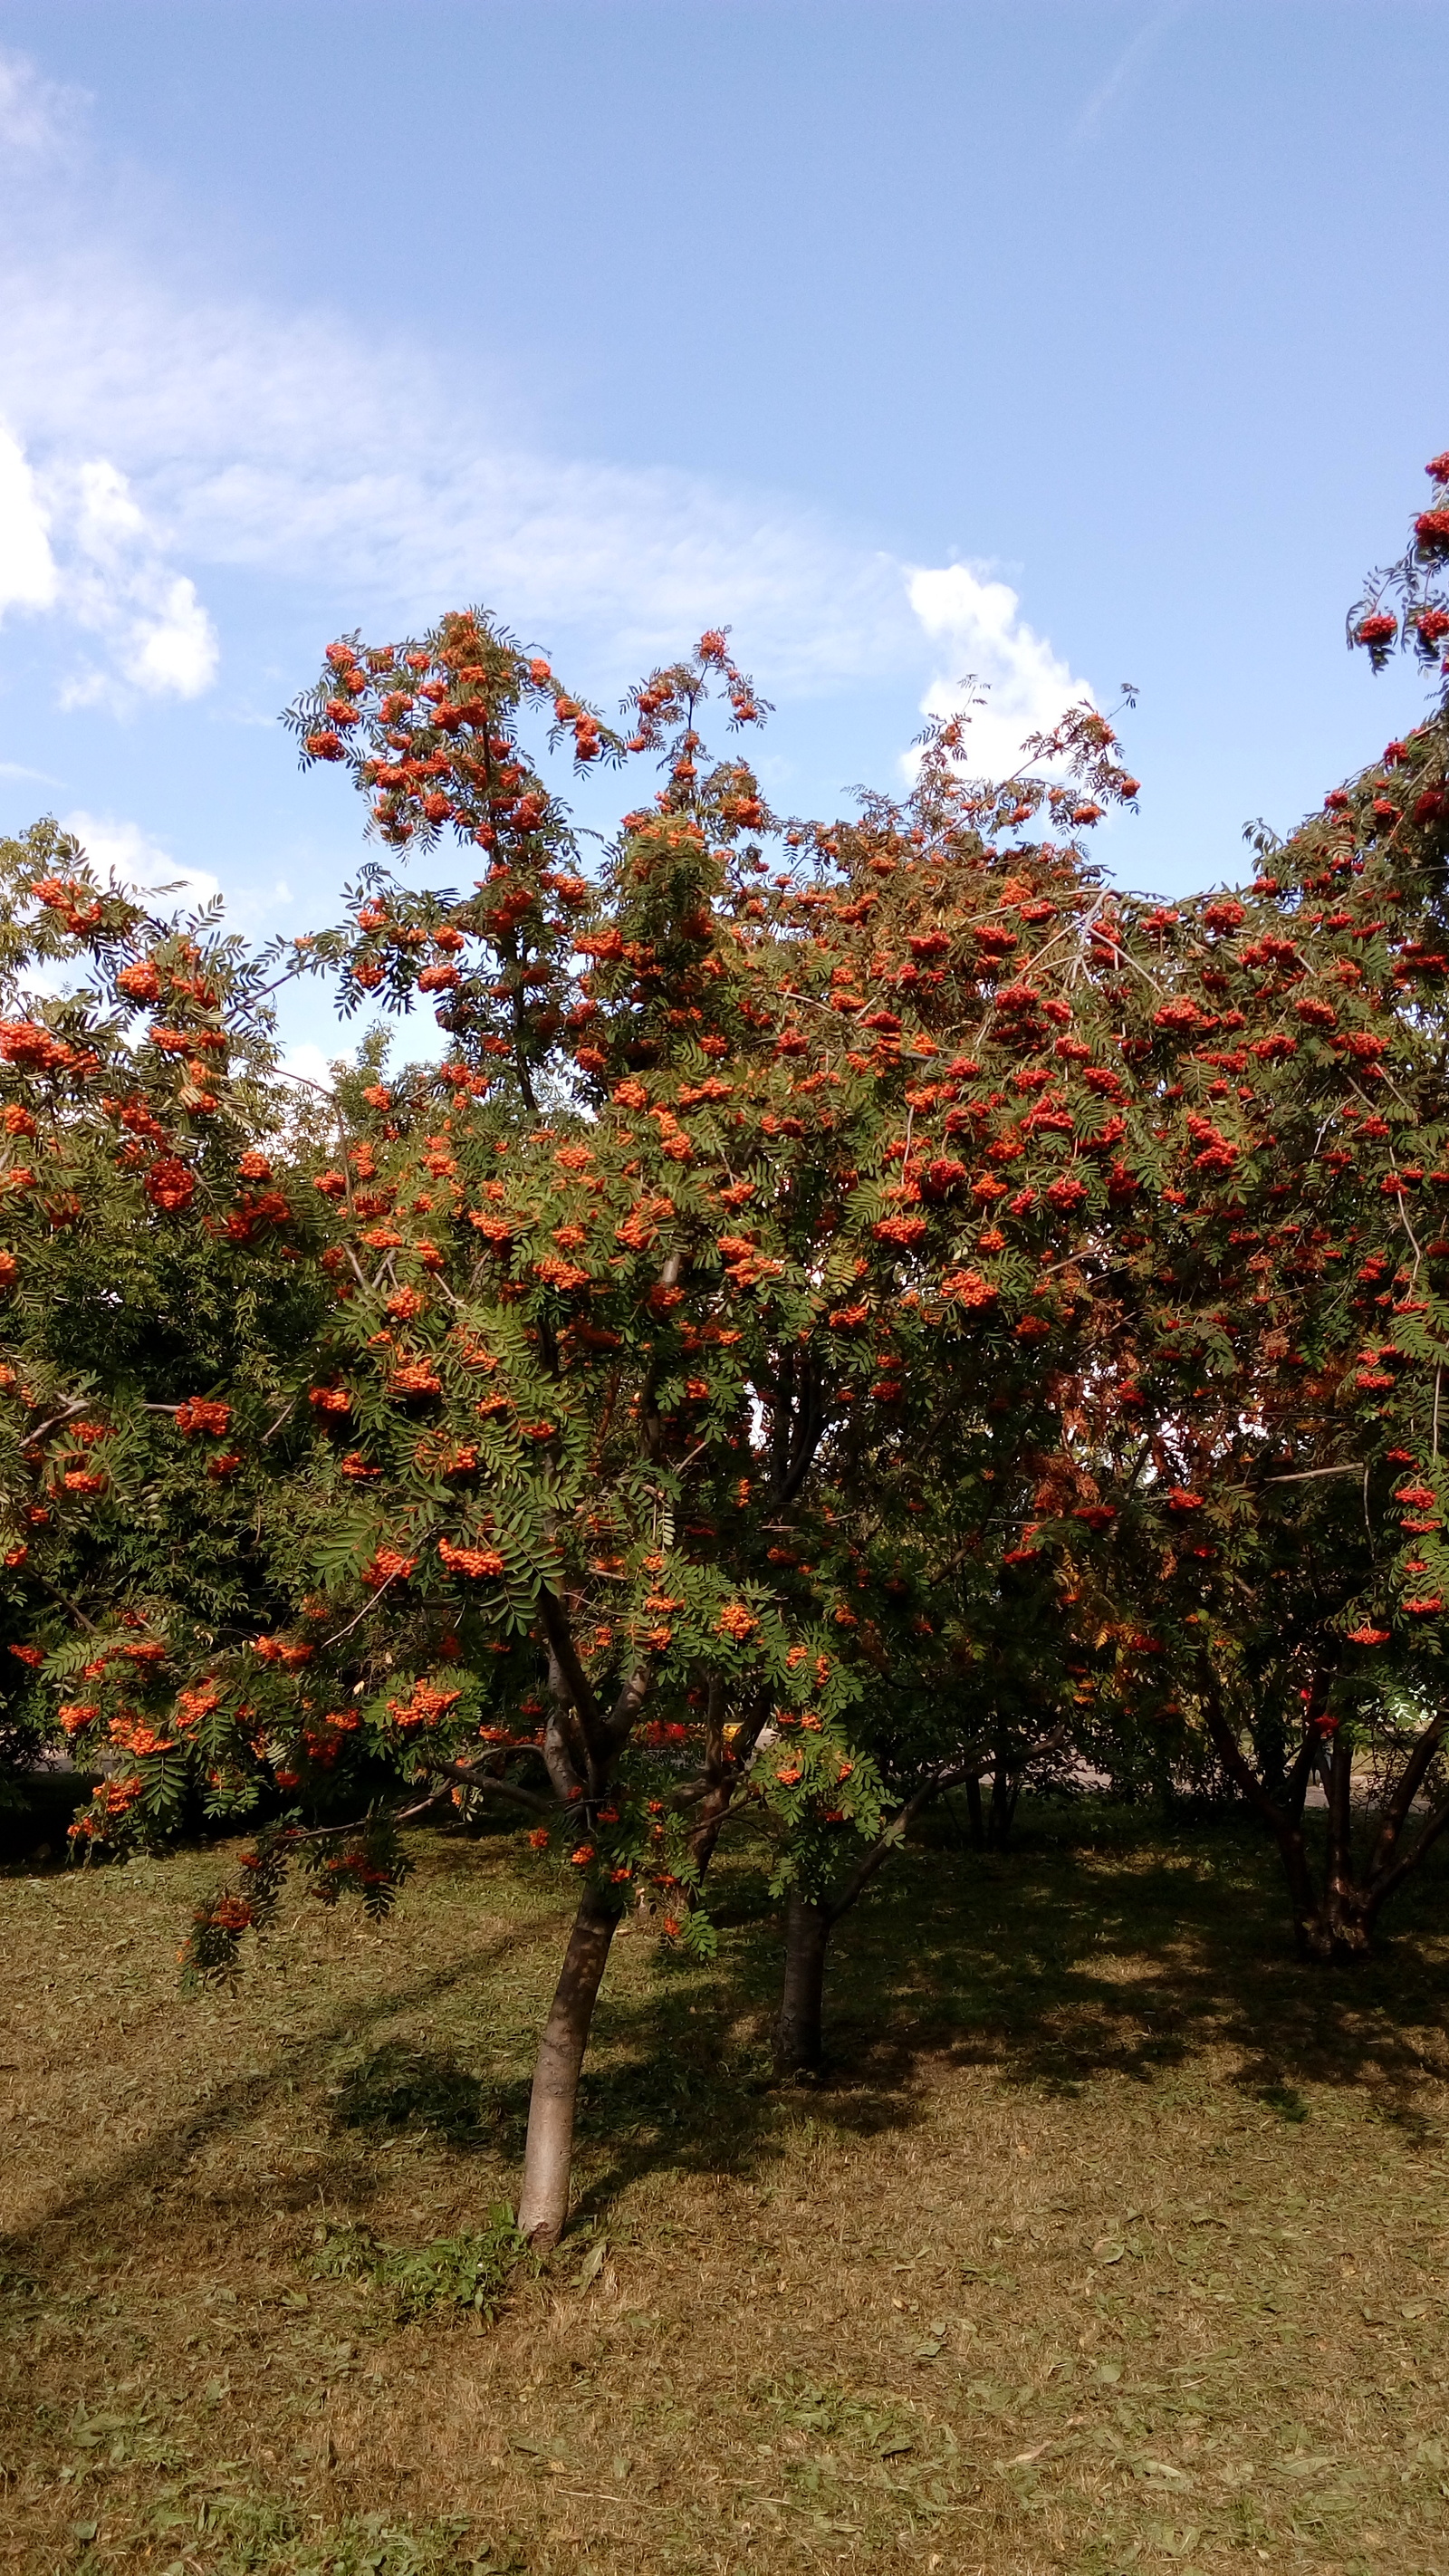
{"x": 107, "y": 516}
{"x": 123, "y": 850}
{"x": 978, "y": 622}
{"x": 285, "y": 443}
{"x": 115, "y": 582}
{"x": 307, "y": 1063}
{"x": 178, "y": 651}
{"x": 35, "y": 114}
{"x": 27, "y": 566}
{"x": 107, "y": 572}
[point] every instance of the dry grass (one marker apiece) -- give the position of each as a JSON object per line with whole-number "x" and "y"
{"x": 1117, "y": 2240}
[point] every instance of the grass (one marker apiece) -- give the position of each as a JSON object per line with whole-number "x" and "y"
{"x": 1114, "y": 2241}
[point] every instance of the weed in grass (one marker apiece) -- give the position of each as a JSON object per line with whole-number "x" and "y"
{"x": 451, "y": 2272}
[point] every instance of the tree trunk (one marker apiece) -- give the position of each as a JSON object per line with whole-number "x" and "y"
{"x": 543, "y": 2205}
{"x": 1335, "y": 1926}
{"x": 1005, "y": 1790}
{"x": 973, "y": 1810}
{"x": 1269, "y": 1738}
{"x": 1331, "y": 1924}
{"x": 797, "y": 2033}
{"x": 1284, "y": 1821}
{"x": 1336, "y": 1933}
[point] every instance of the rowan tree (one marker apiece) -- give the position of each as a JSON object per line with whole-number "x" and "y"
{"x": 600, "y": 1480}
{"x": 1009, "y": 1158}
{"x": 1275, "y": 1441}
{"x": 152, "y": 1283}
{"x": 609, "y": 1329}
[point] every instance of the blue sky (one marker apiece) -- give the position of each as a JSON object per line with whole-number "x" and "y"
{"x": 1060, "y": 343}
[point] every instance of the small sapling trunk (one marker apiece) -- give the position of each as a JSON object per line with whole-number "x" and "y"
{"x": 548, "y": 2156}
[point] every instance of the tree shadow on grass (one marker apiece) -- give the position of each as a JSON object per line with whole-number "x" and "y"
{"x": 392, "y": 2088}
{"x": 1113, "y": 1945}
{"x": 421, "y": 2090}
{"x": 1103, "y": 1945}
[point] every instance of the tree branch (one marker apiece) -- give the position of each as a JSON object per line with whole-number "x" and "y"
{"x": 1433, "y": 1827}
{"x": 561, "y": 1646}
{"x": 1410, "y": 1781}
{"x": 489, "y": 1781}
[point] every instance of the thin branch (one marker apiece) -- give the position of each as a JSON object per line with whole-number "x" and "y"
{"x": 359, "y": 1274}
{"x": 288, "y": 1407}
{"x": 1303, "y": 1475}
{"x": 489, "y": 1781}
{"x": 902, "y": 1820}
{"x": 330, "y": 1833}
{"x": 32, "y": 1438}
{"x": 1409, "y": 1860}
{"x": 362, "y": 1613}
{"x": 1410, "y": 1782}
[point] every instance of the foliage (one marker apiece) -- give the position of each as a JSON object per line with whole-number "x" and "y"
{"x": 1421, "y": 625}
{"x": 152, "y": 1287}
{"x": 636, "y": 1394}
{"x": 1277, "y": 1578}
{"x": 826, "y": 1329}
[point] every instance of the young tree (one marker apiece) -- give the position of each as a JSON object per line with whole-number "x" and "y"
{"x": 1013, "y": 1153}
{"x": 610, "y": 1328}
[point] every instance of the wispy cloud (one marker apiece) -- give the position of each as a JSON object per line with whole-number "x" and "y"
{"x": 277, "y": 444}
{"x": 37, "y": 116}
{"x": 1128, "y": 62}
{"x": 167, "y": 439}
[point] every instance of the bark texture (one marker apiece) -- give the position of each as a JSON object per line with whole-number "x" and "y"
{"x": 797, "y": 2032}
{"x": 548, "y": 2157}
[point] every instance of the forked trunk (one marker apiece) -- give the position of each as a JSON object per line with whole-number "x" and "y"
{"x": 797, "y": 2032}
{"x": 1337, "y": 1931}
{"x": 543, "y": 2205}
{"x": 1334, "y": 1923}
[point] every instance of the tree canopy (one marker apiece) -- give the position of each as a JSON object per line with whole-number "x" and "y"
{"x": 824, "y": 1331}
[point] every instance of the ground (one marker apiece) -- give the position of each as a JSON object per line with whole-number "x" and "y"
{"x": 1113, "y": 2240}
